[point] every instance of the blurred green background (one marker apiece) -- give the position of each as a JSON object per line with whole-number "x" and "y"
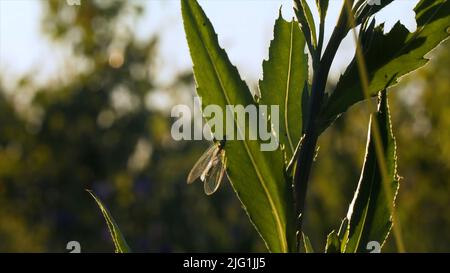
{"x": 102, "y": 127}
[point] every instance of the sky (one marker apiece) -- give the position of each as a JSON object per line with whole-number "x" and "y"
{"x": 245, "y": 28}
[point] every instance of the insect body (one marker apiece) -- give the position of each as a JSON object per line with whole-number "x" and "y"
{"x": 210, "y": 168}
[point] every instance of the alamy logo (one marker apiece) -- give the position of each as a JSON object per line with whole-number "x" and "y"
{"x": 229, "y": 122}
{"x": 73, "y": 2}
{"x": 74, "y": 247}
{"x": 374, "y": 2}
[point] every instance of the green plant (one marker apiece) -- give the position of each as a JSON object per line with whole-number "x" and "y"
{"x": 120, "y": 244}
{"x": 272, "y": 185}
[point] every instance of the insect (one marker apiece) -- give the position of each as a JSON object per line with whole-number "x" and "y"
{"x": 210, "y": 168}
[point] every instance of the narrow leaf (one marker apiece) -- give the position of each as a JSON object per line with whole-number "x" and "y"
{"x": 285, "y": 75}
{"x": 333, "y": 243}
{"x": 369, "y": 213}
{"x": 256, "y": 176}
{"x": 322, "y": 6}
{"x": 343, "y": 234}
{"x": 390, "y": 56}
{"x": 306, "y": 20}
{"x": 120, "y": 243}
{"x": 307, "y": 244}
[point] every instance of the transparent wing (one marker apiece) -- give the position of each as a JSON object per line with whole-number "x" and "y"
{"x": 201, "y": 164}
{"x": 215, "y": 174}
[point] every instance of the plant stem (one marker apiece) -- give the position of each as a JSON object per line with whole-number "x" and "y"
{"x": 308, "y": 148}
{"x": 321, "y": 36}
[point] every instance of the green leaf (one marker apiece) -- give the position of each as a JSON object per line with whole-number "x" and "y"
{"x": 366, "y": 10}
{"x": 285, "y": 75}
{"x": 307, "y": 244}
{"x": 306, "y": 20}
{"x": 369, "y": 213}
{"x": 343, "y": 234}
{"x": 257, "y": 177}
{"x": 322, "y": 6}
{"x": 333, "y": 243}
{"x": 390, "y": 56}
{"x": 116, "y": 235}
